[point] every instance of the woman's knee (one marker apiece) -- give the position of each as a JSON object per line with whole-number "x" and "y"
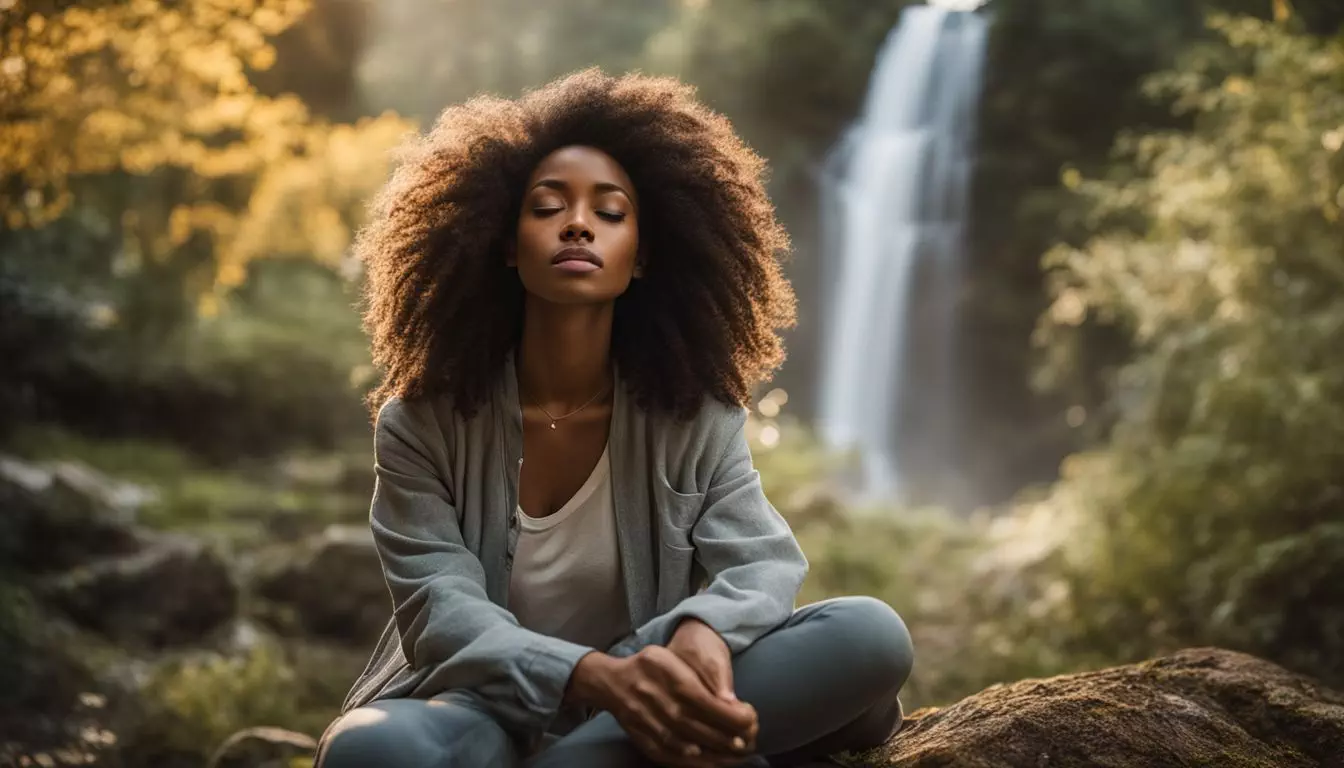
{"x": 371, "y": 735}
{"x": 876, "y": 638}
{"x": 408, "y": 733}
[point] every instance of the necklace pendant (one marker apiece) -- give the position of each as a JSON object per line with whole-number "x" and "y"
{"x": 552, "y": 425}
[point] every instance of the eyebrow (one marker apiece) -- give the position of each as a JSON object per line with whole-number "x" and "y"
{"x": 601, "y": 186}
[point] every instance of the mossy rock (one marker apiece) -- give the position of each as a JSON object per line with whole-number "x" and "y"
{"x": 330, "y": 586}
{"x": 175, "y": 591}
{"x": 1198, "y": 707}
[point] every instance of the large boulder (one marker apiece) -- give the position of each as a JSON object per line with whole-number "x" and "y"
{"x": 57, "y": 515}
{"x": 176, "y": 590}
{"x": 331, "y": 586}
{"x": 1198, "y": 707}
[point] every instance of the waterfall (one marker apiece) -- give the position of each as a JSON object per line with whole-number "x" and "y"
{"x": 894, "y": 204}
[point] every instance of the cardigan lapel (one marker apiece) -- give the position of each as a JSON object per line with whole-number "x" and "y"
{"x": 628, "y": 443}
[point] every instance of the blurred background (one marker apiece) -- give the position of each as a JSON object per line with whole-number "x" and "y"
{"x": 1067, "y": 388}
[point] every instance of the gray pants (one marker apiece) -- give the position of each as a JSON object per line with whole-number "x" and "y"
{"x": 824, "y": 681}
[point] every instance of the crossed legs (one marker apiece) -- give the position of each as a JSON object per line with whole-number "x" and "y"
{"x": 825, "y": 680}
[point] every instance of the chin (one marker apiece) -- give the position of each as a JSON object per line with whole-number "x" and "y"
{"x": 575, "y": 289}
{"x": 576, "y": 294}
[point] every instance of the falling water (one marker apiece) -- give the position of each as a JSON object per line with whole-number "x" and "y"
{"x": 894, "y": 202}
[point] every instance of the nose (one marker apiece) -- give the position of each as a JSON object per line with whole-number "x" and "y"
{"x": 576, "y": 230}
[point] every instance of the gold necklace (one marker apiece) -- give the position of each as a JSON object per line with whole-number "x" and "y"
{"x": 554, "y": 419}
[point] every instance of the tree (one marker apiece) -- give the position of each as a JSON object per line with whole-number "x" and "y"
{"x": 1218, "y": 254}
{"x": 141, "y": 118}
{"x": 426, "y": 55}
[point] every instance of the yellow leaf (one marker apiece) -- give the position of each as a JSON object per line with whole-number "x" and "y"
{"x": 179, "y": 225}
{"x": 207, "y": 305}
{"x": 262, "y": 59}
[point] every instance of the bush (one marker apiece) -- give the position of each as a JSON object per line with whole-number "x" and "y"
{"x": 282, "y": 365}
{"x": 192, "y": 704}
{"x": 1217, "y": 253}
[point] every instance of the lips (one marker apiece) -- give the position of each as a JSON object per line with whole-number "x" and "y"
{"x": 576, "y": 254}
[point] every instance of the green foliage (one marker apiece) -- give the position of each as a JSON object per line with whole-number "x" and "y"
{"x": 427, "y": 55}
{"x": 1210, "y": 512}
{"x": 17, "y": 642}
{"x": 194, "y": 703}
{"x": 973, "y": 592}
{"x": 1287, "y": 597}
{"x": 281, "y": 365}
{"x": 791, "y": 73}
{"x": 1206, "y": 253}
{"x": 191, "y": 704}
{"x": 248, "y": 503}
{"x": 1221, "y": 259}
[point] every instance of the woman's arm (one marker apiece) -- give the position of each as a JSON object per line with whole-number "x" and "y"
{"x": 754, "y": 563}
{"x": 447, "y": 622}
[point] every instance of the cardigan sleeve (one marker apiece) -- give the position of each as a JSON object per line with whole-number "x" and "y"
{"x": 754, "y": 564}
{"x": 447, "y": 623}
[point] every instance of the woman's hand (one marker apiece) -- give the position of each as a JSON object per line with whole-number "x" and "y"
{"x": 697, "y": 644}
{"x": 705, "y": 652}
{"x": 666, "y": 709}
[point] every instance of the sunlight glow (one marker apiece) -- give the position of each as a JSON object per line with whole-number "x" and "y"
{"x": 769, "y": 436}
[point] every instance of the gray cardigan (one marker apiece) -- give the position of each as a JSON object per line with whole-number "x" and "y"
{"x": 697, "y": 538}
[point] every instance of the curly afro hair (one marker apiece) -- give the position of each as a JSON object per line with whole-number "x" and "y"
{"x": 443, "y": 310}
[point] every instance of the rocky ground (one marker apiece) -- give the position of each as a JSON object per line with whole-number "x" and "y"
{"x": 126, "y": 646}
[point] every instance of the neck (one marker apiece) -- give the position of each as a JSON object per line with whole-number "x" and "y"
{"x": 564, "y": 357}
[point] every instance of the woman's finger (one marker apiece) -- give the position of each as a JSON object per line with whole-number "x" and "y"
{"x": 708, "y": 738}
{"x": 717, "y": 671}
{"x": 697, "y": 700}
{"x": 658, "y": 720}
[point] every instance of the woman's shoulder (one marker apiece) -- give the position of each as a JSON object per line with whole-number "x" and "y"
{"x": 695, "y": 442}
{"x": 413, "y": 412}
{"x": 417, "y": 422}
{"x": 711, "y": 417}
{"x": 721, "y": 419}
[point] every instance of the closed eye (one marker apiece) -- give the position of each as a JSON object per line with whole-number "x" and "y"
{"x": 613, "y": 216}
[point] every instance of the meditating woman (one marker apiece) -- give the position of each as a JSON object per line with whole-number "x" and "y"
{"x": 570, "y": 297}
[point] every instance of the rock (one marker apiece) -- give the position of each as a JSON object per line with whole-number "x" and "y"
{"x": 1198, "y": 707}
{"x": 55, "y": 516}
{"x": 175, "y": 591}
{"x": 262, "y": 747}
{"x": 333, "y": 586}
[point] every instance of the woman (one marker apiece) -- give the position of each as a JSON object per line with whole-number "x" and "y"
{"x": 588, "y": 277}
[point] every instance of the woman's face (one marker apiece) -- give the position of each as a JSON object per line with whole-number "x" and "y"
{"x": 578, "y": 230}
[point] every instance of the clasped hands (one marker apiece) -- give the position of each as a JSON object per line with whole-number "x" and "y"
{"x": 676, "y": 703}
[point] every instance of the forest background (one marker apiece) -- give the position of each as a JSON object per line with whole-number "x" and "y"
{"x": 1152, "y": 324}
